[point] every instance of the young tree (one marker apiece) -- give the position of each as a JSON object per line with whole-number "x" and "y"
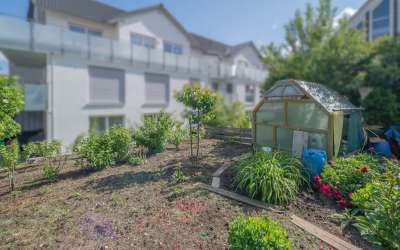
{"x": 9, "y": 154}
{"x": 199, "y": 103}
{"x": 11, "y": 103}
{"x": 231, "y": 115}
{"x": 317, "y": 51}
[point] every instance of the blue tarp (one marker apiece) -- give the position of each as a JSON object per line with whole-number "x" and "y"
{"x": 393, "y": 133}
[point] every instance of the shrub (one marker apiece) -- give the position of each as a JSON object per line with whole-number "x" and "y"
{"x": 9, "y": 155}
{"x": 272, "y": 177}
{"x": 178, "y": 177}
{"x": 178, "y": 135}
{"x": 41, "y": 149}
{"x": 380, "y": 205}
{"x": 53, "y": 167}
{"x": 248, "y": 233}
{"x": 96, "y": 151}
{"x": 230, "y": 115}
{"x": 346, "y": 175}
{"x": 155, "y": 132}
{"x": 120, "y": 138}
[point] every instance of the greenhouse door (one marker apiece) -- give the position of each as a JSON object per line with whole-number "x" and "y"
{"x": 300, "y": 142}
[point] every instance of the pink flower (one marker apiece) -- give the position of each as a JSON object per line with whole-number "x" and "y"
{"x": 330, "y": 162}
{"x": 326, "y": 189}
{"x": 343, "y": 203}
{"x": 371, "y": 150}
{"x": 350, "y": 194}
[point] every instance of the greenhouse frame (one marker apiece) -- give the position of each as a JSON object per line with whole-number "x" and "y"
{"x": 295, "y": 115}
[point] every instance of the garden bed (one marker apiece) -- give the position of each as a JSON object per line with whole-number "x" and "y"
{"x": 128, "y": 207}
{"x": 312, "y": 207}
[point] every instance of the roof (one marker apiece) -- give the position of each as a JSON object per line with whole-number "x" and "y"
{"x": 88, "y": 9}
{"x": 326, "y": 97}
{"x": 99, "y": 12}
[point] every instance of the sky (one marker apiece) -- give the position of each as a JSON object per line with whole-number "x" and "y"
{"x": 228, "y": 21}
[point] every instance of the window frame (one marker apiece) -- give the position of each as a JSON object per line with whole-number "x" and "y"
{"x": 82, "y": 29}
{"x": 250, "y": 91}
{"x": 143, "y": 40}
{"x": 173, "y": 48}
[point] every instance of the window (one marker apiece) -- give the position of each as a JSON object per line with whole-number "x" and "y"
{"x": 215, "y": 86}
{"x": 143, "y": 40}
{"x": 102, "y": 123}
{"x": 380, "y": 19}
{"x": 229, "y": 88}
{"x": 85, "y": 30}
{"x": 250, "y": 93}
{"x": 107, "y": 86}
{"x": 157, "y": 89}
{"x": 174, "y": 48}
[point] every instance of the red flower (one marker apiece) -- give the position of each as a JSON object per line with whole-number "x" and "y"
{"x": 338, "y": 195}
{"x": 343, "y": 203}
{"x": 350, "y": 194}
{"x": 326, "y": 189}
{"x": 364, "y": 169}
{"x": 371, "y": 150}
{"x": 317, "y": 180}
{"x": 330, "y": 162}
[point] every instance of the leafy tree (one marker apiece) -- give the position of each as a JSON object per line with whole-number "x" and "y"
{"x": 314, "y": 50}
{"x": 230, "y": 115}
{"x": 200, "y": 103}
{"x": 11, "y": 103}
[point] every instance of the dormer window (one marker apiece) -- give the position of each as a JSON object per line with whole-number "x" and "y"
{"x": 174, "y": 48}
{"x": 85, "y": 30}
{"x": 143, "y": 40}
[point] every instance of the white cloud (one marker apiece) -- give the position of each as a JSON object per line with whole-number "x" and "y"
{"x": 346, "y": 12}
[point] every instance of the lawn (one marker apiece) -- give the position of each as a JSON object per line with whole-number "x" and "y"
{"x": 138, "y": 207}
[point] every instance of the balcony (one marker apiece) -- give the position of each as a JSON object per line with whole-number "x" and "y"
{"x": 19, "y": 34}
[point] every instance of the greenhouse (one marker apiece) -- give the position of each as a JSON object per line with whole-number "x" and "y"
{"x": 296, "y": 115}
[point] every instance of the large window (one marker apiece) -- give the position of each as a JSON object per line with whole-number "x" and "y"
{"x": 174, "y": 48}
{"x": 107, "y": 86}
{"x": 381, "y": 19}
{"x": 85, "y": 30}
{"x": 157, "y": 89}
{"x": 143, "y": 40}
{"x": 102, "y": 123}
{"x": 250, "y": 93}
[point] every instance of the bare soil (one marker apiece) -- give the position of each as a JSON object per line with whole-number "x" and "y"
{"x": 134, "y": 207}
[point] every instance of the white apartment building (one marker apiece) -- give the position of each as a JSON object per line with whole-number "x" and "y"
{"x": 84, "y": 65}
{"x": 378, "y": 18}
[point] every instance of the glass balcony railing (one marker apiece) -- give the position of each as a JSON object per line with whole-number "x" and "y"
{"x": 16, "y": 33}
{"x": 35, "y": 97}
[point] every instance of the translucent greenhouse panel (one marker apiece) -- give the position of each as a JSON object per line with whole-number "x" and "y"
{"x": 284, "y": 138}
{"x": 317, "y": 141}
{"x": 306, "y": 115}
{"x": 264, "y": 135}
{"x": 271, "y": 112}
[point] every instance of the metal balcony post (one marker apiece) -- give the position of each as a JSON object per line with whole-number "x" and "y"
{"x": 111, "y": 50}
{"x": 32, "y": 37}
{"x": 148, "y": 57}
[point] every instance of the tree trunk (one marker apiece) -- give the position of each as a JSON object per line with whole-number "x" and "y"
{"x": 12, "y": 180}
{"x": 198, "y": 137}
{"x": 191, "y": 138}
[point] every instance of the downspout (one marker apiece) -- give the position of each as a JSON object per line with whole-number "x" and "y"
{"x": 50, "y": 101}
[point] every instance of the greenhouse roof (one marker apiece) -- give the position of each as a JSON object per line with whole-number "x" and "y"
{"x": 327, "y": 98}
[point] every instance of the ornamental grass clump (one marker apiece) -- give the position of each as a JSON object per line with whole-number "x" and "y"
{"x": 271, "y": 177}
{"x": 248, "y": 233}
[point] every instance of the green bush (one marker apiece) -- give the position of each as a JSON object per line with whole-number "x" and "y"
{"x": 53, "y": 167}
{"x": 230, "y": 115}
{"x": 379, "y": 202}
{"x": 100, "y": 150}
{"x": 351, "y": 173}
{"x": 155, "y": 132}
{"x": 382, "y": 107}
{"x": 248, "y": 233}
{"x": 178, "y": 135}
{"x": 178, "y": 176}
{"x": 272, "y": 177}
{"x": 120, "y": 138}
{"x": 41, "y": 149}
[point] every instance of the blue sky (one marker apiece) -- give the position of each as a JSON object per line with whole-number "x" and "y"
{"x": 229, "y": 21}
